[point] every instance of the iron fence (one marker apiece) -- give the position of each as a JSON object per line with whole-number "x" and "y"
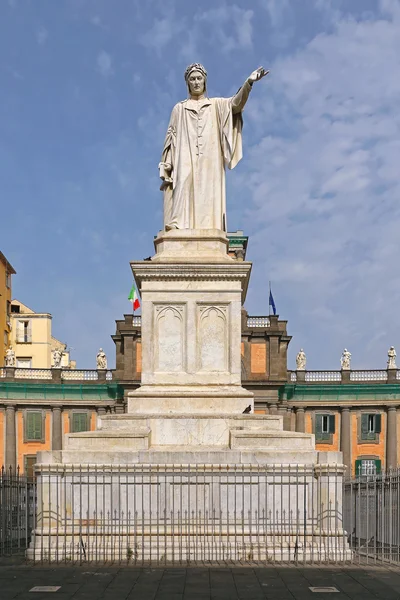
{"x": 17, "y": 511}
{"x": 372, "y": 516}
{"x": 154, "y": 514}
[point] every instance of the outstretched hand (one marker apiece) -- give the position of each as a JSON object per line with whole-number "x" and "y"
{"x": 257, "y": 75}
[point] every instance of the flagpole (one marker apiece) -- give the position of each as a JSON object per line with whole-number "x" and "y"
{"x": 269, "y": 299}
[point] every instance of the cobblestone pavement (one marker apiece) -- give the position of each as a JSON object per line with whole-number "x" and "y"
{"x": 357, "y": 582}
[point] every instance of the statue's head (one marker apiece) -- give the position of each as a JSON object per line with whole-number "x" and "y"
{"x": 196, "y": 79}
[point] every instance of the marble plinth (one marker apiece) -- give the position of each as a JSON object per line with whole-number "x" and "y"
{"x": 186, "y": 467}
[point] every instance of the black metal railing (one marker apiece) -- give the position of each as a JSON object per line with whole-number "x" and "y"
{"x": 17, "y": 511}
{"x": 159, "y": 514}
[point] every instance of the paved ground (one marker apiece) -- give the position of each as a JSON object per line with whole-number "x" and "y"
{"x": 198, "y": 583}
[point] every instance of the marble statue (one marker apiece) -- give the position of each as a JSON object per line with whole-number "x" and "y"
{"x": 301, "y": 360}
{"x": 204, "y": 137}
{"x": 345, "y": 360}
{"x": 10, "y": 357}
{"x": 101, "y": 359}
{"x": 391, "y": 362}
{"x": 57, "y": 357}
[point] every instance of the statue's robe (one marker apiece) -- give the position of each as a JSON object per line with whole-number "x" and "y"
{"x": 203, "y": 138}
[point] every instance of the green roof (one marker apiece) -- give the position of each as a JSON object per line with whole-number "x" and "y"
{"x": 54, "y": 391}
{"x": 341, "y": 392}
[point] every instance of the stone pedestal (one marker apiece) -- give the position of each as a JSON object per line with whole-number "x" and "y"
{"x": 190, "y": 466}
{"x": 192, "y": 293}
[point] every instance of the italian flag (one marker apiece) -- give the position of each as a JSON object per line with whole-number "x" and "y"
{"x": 134, "y": 298}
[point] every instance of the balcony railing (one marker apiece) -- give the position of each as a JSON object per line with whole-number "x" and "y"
{"x": 356, "y": 376}
{"x": 56, "y": 375}
{"x": 79, "y": 375}
{"x": 258, "y": 322}
{"x": 323, "y": 376}
{"x": 372, "y": 375}
{"x": 137, "y": 321}
{"x": 23, "y": 373}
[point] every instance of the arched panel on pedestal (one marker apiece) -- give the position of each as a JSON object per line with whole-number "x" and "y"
{"x": 169, "y": 339}
{"x": 213, "y": 339}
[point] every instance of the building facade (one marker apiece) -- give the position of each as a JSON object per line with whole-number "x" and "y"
{"x": 6, "y": 272}
{"x": 356, "y": 412}
{"x": 32, "y": 340}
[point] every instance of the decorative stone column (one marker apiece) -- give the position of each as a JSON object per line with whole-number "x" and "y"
{"x": 300, "y": 376}
{"x": 345, "y": 375}
{"x": 101, "y": 375}
{"x": 391, "y": 438}
{"x": 287, "y": 419}
{"x": 11, "y": 442}
{"x": 300, "y": 420}
{"x": 345, "y": 438}
{"x": 57, "y": 429}
{"x": 101, "y": 411}
{"x": 273, "y": 409}
{"x": 56, "y": 375}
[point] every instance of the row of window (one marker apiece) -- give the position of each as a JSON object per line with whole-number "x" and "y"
{"x": 34, "y": 424}
{"x": 371, "y": 424}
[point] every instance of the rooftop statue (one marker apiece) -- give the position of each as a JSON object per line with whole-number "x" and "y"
{"x": 345, "y": 360}
{"x": 391, "y": 362}
{"x": 204, "y": 137}
{"x": 301, "y": 360}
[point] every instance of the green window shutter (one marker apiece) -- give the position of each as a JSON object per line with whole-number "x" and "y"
{"x": 378, "y": 465}
{"x": 378, "y": 423}
{"x": 321, "y": 436}
{"x": 331, "y": 427}
{"x": 358, "y": 467}
{"x": 79, "y": 422}
{"x": 364, "y": 424}
{"x": 34, "y": 426}
{"x": 365, "y": 433}
{"x": 318, "y": 427}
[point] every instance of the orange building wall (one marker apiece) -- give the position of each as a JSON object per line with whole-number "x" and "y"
{"x": 242, "y": 348}
{"x": 5, "y": 294}
{"x": 31, "y": 447}
{"x": 398, "y": 438}
{"x": 138, "y": 357}
{"x": 367, "y": 449}
{"x": 2, "y": 438}
{"x": 258, "y": 358}
{"x": 308, "y": 423}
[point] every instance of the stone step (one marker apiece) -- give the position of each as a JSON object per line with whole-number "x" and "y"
{"x": 271, "y": 440}
{"x": 134, "y": 439}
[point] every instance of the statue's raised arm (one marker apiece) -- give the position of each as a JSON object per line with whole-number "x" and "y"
{"x": 204, "y": 137}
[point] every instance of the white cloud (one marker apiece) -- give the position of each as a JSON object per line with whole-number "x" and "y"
{"x": 162, "y": 32}
{"x": 276, "y": 10}
{"x": 104, "y": 64}
{"x": 326, "y": 206}
{"x": 41, "y": 35}
{"x": 228, "y": 26}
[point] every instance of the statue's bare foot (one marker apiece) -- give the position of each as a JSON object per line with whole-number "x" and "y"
{"x": 169, "y": 227}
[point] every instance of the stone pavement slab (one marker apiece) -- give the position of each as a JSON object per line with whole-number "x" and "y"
{"x": 279, "y": 582}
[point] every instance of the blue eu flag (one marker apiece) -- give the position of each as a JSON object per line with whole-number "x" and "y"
{"x": 271, "y": 302}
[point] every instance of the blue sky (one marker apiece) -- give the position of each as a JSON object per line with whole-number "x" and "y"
{"x": 87, "y": 87}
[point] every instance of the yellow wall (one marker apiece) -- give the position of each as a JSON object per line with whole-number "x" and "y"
{"x": 39, "y": 350}
{"x": 5, "y": 294}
